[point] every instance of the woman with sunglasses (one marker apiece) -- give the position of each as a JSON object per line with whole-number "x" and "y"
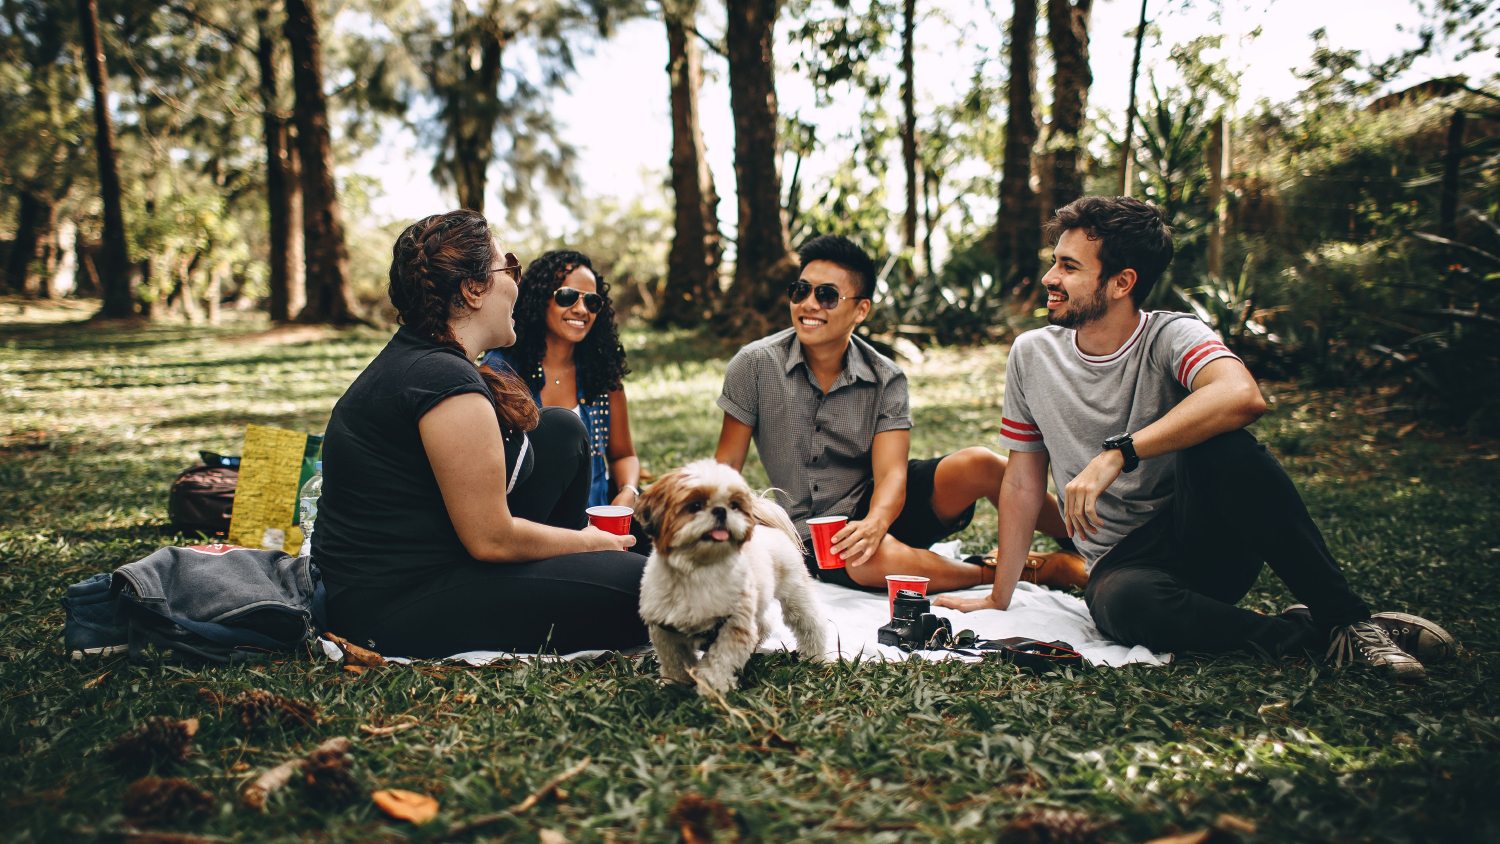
{"x": 568, "y": 351}
{"x": 452, "y": 516}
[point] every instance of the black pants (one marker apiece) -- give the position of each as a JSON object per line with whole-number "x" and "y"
{"x": 1173, "y": 583}
{"x": 570, "y": 603}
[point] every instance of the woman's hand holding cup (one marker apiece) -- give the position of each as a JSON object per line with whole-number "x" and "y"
{"x": 599, "y": 540}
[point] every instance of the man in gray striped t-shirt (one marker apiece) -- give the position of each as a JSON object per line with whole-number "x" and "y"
{"x": 1175, "y": 505}
{"x": 831, "y": 420}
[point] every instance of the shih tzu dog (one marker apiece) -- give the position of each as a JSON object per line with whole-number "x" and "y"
{"x": 721, "y": 553}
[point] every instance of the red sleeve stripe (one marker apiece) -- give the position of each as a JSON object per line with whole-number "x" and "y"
{"x": 1021, "y": 438}
{"x": 1019, "y": 426}
{"x": 1197, "y": 353}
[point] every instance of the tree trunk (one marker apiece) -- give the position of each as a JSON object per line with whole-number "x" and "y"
{"x": 1019, "y": 233}
{"x": 115, "y": 272}
{"x": 928, "y": 189}
{"x": 692, "y": 284}
{"x": 909, "y": 134}
{"x": 329, "y": 298}
{"x": 1068, "y": 33}
{"x": 471, "y": 105}
{"x": 33, "y": 222}
{"x": 282, "y": 189}
{"x": 1218, "y": 165}
{"x": 1127, "y": 161}
{"x": 763, "y": 263}
{"x": 1448, "y": 201}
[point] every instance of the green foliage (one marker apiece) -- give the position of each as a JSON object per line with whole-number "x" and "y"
{"x": 95, "y": 421}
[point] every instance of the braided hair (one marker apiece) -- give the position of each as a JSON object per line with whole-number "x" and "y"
{"x": 432, "y": 263}
{"x": 599, "y": 357}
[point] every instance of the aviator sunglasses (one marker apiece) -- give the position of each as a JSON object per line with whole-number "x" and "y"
{"x": 826, "y": 294}
{"x": 512, "y": 267}
{"x": 567, "y": 297}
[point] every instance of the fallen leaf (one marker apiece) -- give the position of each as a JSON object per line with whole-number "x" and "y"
{"x": 1406, "y": 429}
{"x": 355, "y": 669}
{"x": 98, "y": 681}
{"x": 385, "y": 731}
{"x": 354, "y": 654}
{"x": 406, "y": 805}
{"x": 551, "y": 836}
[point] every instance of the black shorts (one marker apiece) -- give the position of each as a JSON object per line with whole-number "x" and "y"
{"x": 917, "y": 526}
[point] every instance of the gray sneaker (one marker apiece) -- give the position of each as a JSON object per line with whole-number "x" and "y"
{"x": 1368, "y": 642}
{"x": 1417, "y": 636}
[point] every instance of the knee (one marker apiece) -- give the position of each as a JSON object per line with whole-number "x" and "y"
{"x": 1232, "y": 446}
{"x": 562, "y": 429}
{"x": 978, "y": 461}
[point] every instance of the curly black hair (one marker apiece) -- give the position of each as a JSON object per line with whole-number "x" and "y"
{"x": 599, "y": 357}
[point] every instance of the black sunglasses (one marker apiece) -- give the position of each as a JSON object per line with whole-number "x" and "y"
{"x": 567, "y": 297}
{"x": 826, "y": 294}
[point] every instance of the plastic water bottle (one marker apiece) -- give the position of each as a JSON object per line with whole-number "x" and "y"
{"x": 311, "y": 492}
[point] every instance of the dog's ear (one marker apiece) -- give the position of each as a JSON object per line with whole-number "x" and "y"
{"x": 652, "y": 504}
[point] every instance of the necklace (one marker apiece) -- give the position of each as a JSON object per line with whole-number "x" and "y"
{"x": 541, "y": 374}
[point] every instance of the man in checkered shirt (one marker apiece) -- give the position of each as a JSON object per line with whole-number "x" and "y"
{"x": 831, "y": 421}
{"x": 1173, "y": 503}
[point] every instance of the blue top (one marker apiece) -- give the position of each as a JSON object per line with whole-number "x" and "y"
{"x": 595, "y": 420}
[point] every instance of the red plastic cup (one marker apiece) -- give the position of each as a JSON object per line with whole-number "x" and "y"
{"x": 896, "y": 582}
{"x": 611, "y": 518}
{"x": 823, "y": 529}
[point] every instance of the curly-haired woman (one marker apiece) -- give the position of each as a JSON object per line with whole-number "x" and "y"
{"x": 568, "y": 351}
{"x": 452, "y": 516}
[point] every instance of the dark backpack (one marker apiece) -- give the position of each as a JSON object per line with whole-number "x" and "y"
{"x": 202, "y": 497}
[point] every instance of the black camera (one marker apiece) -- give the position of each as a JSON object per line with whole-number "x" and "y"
{"x": 914, "y": 627}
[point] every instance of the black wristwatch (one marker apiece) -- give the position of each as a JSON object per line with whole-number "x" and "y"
{"x": 1126, "y": 445}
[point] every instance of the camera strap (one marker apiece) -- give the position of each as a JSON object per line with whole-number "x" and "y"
{"x": 1040, "y": 657}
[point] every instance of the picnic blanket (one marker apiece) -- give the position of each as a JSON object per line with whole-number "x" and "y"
{"x": 854, "y": 618}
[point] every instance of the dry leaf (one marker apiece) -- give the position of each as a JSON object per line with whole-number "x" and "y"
{"x": 98, "y": 681}
{"x": 406, "y": 805}
{"x": 354, "y": 654}
{"x": 355, "y": 669}
{"x": 551, "y": 836}
{"x": 385, "y": 731}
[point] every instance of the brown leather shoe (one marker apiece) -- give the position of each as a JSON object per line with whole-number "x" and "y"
{"x": 1060, "y": 568}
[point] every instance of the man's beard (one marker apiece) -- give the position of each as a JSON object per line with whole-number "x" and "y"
{"x": 1078, "y": 314}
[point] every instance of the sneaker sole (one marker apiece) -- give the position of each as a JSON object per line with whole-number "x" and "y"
{"x": 1435, "y": 647}
{"x": 108, "y": 650}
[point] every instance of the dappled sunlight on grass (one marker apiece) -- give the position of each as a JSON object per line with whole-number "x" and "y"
{"x": 96, "y": 420}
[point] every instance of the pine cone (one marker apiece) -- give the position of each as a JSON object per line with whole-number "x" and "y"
{"x": 697, "y": 817}
{"x": 328, "y": 775}
{"x": 1051, "y": 826}
{"x": 153, "y": 800}
{"x": 256, "y": 707}
{"x": 155, "y": 739}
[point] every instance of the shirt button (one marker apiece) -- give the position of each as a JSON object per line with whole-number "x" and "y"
{"x": 815, "y": 487}
{"x": 818, "y": 429}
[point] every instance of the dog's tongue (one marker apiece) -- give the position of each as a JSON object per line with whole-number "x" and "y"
{"x": 720, "y": 535}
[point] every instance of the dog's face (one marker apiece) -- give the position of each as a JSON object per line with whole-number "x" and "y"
{"x": 698, "y": 514}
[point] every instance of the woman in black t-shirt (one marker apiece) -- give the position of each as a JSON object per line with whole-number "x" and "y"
{"x": 452, "y": 516}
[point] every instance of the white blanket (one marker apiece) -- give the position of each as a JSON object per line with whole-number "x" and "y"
{"x": 1035, "y": 612}
{"x": 854, "y": 617}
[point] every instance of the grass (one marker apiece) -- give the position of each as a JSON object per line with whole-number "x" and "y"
{"x": 95, "y": 421}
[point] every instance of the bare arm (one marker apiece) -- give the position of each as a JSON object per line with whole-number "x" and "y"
{"x": 1023, "y": 493}
{"x": 462, "y": 439}
{"x": 624, "y": 466}
{"x": 859, "y": 541}
{"x": 734, "y": 443}
{"x": 1225, "y": 398}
